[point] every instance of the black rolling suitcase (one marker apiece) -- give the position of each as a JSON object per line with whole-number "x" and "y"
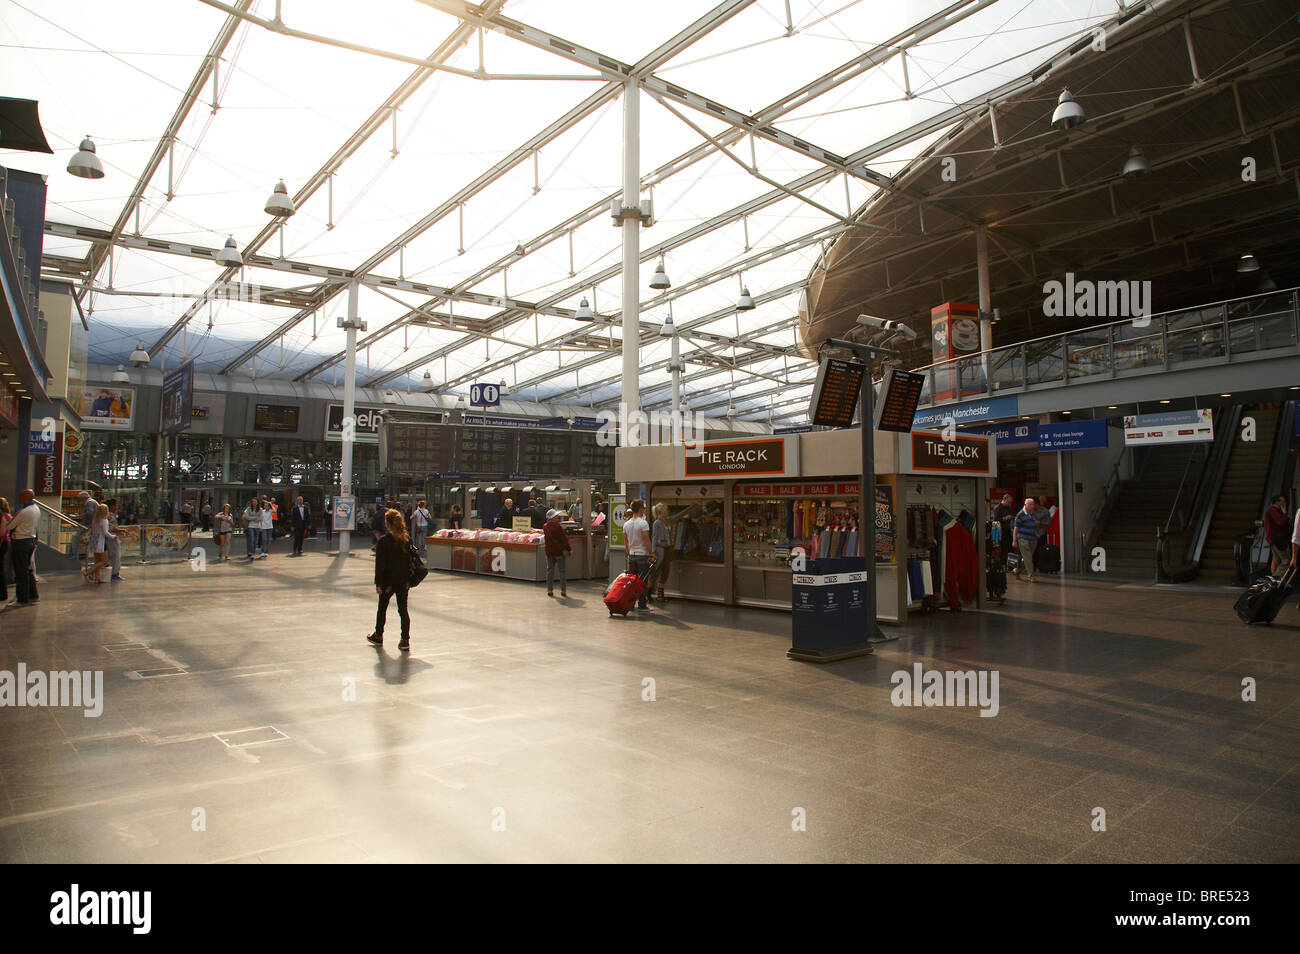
{"x": 1263, "y": 601}
{"x": 1048, "y": 558}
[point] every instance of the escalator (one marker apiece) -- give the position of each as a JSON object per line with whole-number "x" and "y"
{"x": 1242, "y": 497}
{"x": 1143, "y": 505}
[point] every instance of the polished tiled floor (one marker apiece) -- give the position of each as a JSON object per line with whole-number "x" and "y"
{"x": 526, "y": 714}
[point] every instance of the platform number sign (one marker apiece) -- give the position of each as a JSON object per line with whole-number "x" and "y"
{"x": 485, "y": 395}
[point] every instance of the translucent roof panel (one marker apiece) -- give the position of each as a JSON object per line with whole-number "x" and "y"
{"x": 449, "y": 174}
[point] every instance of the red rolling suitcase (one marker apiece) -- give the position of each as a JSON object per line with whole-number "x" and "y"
{"x": 623, "y": 593}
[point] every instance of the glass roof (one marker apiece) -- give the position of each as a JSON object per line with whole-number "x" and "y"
{"x": 492, "y": 188}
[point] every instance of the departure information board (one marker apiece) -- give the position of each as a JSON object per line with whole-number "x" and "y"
{"x": 899, "y": 392}
{"x": 835, "y": 395}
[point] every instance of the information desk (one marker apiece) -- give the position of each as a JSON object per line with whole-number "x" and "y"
{"x": 515, "y": 561}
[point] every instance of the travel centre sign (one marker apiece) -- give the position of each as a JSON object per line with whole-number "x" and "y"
{"x": 776, "y": 456}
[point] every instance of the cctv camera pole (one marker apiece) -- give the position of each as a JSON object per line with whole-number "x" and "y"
{"x": 867, "y": 486}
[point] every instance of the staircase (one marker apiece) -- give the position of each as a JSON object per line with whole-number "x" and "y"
{"x": 1143, "y": 504}
{"x": 1241, "y": 498}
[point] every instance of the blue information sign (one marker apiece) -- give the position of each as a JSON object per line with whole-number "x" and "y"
{"x": 1073, "y": 435}
{"x": 1008, "y": 433}
{"x": 485, "y": 395}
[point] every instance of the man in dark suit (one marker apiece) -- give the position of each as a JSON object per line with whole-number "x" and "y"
{"x": 506, "y": 515}
{"x": 300, "y": 518}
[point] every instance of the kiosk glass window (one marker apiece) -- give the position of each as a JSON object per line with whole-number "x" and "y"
{"x": 770, "y": 519}
{"x": 695, "y": 523}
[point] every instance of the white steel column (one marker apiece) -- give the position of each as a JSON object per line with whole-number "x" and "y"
{"x": 676, "y": 415}
{"x": 349, "y": 407}
{"x": 986, "y": 301}
{"x": 631, "y": 248}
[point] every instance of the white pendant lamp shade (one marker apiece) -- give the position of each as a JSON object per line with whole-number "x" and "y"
{"x": 584, "y": 312}
{"x": 120, "y": 376}
{"x": 427, "y": 385}
{"x": 1137, "y": 165}
{"x": 139, "y": 357}
{"x": 1068, "y": 113}
{"x": 660, "y": 280}
{"x": 390, "y": 396}
{"x": 229, "y": 255}
{"x": 279, "y": 204}
{"x": 668, "y": 329}
{"x": 84, "y": 164}
{"x": 1247, "y": 263}
{"x": 746, "y": 302}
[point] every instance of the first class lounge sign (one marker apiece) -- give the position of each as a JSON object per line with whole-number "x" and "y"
{"x": 761, "y": 457}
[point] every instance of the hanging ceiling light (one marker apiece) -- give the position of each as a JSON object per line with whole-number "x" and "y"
{"x": 1068, "y": 113}
{"x": 427, "y": 385}
{"x": 1137, "y": 165}
{"x": 746, "y": 303}
{"x": 390, "y": 396}
{"x": 1266, "y": 283}
{"x": 120, "y": 376}
{"x": 584, "y": 312}
{"x": 229, "y": 255}
{"x": 84, "y": 164}
{"x": 667, "y": 329}
{"x": 279, "y": 204}
{"x": 660, "y": 280}
{"x": 1247, "y": 263}
{"x": 139, "y": 357}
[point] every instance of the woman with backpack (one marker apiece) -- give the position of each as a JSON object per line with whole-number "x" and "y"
{"x": 392, "y": 577}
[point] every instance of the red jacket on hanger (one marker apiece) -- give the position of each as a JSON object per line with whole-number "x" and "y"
{"x": 960, "y": 565}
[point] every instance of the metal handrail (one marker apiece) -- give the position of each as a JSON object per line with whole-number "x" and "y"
{"x": 60, "y": 515}
{"x": 1295, "y": 291}
{"x": 1191, "y": 459}
{"x": 1108, "y": 495}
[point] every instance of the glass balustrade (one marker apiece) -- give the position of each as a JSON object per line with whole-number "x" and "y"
{"x": 1209, "y": 334}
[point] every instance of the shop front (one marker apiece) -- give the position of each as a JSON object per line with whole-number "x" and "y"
{"x": 740, "y": 512}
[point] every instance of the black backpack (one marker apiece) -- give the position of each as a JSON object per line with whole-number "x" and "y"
{"x": 416, "y": 571}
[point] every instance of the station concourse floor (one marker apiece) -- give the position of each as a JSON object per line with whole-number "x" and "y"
{"x": 518, "y": 712}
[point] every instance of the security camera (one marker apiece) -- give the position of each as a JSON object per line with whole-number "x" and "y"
{"x": 871, "y": 321}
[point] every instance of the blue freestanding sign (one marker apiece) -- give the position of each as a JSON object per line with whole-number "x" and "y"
{"x": 829, "y": 608}
{"x": 1072, "y": 435}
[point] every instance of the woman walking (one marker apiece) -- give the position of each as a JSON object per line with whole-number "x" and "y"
{"x": 662, "y": 539}
{"x": 252, "y": 518}
{"x": 392, "y": 577}
{"x": 223, "y": 525}
{"x": 99, "y": 537}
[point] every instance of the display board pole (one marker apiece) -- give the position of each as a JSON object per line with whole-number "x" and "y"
{"x": 867, "y": 486}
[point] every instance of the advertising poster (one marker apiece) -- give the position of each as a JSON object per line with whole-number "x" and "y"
{"x": 345, "y": 512}
{"x": 178, "y": 399}
{"x": 107, "y": 408}
{"x": 617, "y": 517}
{"x": 167, "y": 536}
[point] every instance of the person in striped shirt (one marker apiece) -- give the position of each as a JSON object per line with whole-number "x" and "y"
{"x": 1025, "y": 531}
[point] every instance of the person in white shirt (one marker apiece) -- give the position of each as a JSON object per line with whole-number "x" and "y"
{"x": 640, "y": 552}
{"x": 22, "y": 543}
{"x": 420, "y": 519}
{"x": 252, "y": 517}
{"x": 268, "y": 527}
